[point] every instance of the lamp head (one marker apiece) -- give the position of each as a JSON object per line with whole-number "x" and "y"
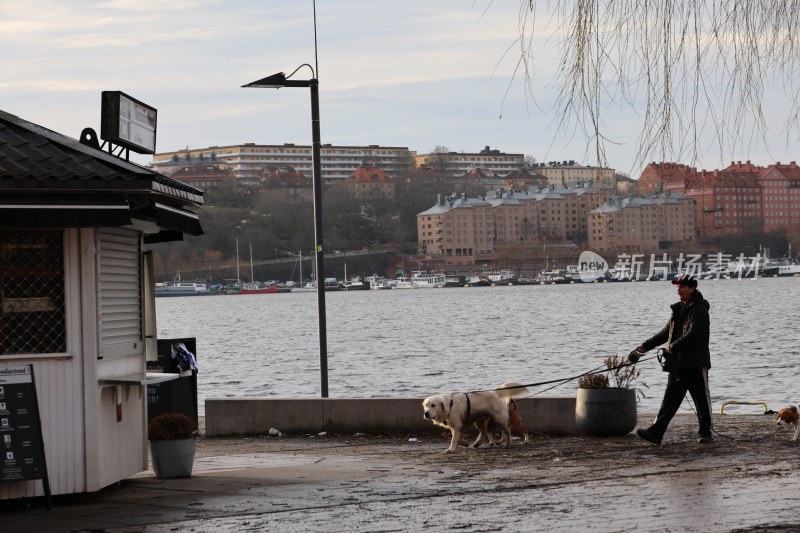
{"x": 279, "y": 80}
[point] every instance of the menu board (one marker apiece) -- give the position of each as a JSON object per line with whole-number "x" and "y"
{"x": 21, "y": 443}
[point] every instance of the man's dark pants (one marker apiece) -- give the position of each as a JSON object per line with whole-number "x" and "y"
{"x": 695, "y": 381}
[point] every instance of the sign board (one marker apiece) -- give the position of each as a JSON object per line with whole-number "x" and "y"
{"x": 21, "y": 443}
{"x": 125, "y": 121}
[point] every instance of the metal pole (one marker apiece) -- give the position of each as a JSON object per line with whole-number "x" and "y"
{"x": 319, "y": 254}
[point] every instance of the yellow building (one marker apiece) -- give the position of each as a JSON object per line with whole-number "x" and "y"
{"x": 641, "y": 224}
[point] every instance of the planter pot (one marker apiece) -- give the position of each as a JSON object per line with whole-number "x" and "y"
{"x": 173, "y": 458}
{"x": 605, "y": 412}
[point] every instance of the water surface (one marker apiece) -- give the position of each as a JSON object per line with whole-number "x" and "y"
{"x": 423, "y": 341}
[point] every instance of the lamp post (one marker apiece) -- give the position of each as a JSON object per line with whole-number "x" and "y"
{"x": 277, "y": 81}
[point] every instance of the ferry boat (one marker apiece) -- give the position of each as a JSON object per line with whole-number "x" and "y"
{"x": 182, "y": 288}
{"x": 428, "y": 280}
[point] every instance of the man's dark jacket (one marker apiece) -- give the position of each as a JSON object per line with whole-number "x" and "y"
{"x": 687, "y": 332}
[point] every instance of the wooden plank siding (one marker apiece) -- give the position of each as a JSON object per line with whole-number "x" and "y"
{"x": 86, "y": 447}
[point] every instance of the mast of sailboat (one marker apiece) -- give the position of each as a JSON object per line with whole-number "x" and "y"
{"x": 252, "y": 279}
{"x": 300, "y": 255}
{"x": 238, "y": 278}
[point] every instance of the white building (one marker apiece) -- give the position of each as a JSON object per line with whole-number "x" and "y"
{"x": 76, "y": 297}
{"x": 249, "y": 159}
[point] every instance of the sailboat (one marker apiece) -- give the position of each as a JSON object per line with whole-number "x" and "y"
{"x": 255, "y": 287}
{"x": 311, "y": 286}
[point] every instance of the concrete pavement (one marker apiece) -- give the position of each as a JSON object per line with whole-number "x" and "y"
{"x": 405, "y": 483}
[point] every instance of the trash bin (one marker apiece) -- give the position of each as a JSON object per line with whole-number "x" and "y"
{"x": 175, "y": 396}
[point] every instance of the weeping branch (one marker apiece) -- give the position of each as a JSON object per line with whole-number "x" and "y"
{"x": 691, "y": 69}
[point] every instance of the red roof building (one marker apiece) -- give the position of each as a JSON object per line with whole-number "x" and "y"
{"x": 370, "y": 182}
{"x": 661, "y": 177}
{"x": 203, "y": 176}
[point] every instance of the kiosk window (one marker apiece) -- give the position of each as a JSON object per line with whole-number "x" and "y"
{"x": 32, "y": 313}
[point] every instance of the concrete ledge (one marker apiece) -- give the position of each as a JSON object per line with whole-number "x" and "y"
{"x": 255, "y": 416}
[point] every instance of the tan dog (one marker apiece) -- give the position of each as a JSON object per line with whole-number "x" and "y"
{"x": 458, "y": 410}
{"x": 788, "y": 416}
{"x": 514, "y": 420}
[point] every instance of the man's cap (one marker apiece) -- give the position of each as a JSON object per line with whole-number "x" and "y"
{"x": 686, "y": 280}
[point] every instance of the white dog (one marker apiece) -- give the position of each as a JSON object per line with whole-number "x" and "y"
{"x": 456, "y": 411}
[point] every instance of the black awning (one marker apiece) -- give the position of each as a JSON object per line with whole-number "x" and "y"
{"x": 63, "y": 211}
{"x": 166, "y": 235}
{"x": 177, "y": 219}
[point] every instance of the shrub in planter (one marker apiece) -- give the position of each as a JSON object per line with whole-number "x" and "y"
{"x": 602, "y": 410}
{"x": 172, "y": 445}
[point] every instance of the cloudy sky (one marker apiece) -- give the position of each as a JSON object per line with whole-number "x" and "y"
{"x": 415, "y": 73}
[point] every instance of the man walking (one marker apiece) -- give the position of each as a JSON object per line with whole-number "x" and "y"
{"x": 687, "y": 360}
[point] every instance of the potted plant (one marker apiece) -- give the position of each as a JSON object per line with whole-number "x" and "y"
{"x": 172, "y": 445}
{"x": 607, "y": 407}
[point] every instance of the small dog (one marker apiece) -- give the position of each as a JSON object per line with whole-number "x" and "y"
{"x": 456, "y": 411}
{"x": 788, "y": 416}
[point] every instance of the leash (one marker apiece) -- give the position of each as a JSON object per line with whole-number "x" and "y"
{"x": 597, "y": 370}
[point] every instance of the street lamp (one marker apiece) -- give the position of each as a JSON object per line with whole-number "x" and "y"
{"x": 276, "y": 81}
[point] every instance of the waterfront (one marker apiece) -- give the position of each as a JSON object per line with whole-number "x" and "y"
{"x": 414, "y": 343}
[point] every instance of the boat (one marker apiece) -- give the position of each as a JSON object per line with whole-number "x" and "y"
{"x": 588, "y": 275}
{"x": 525, "y": 280}
{"x": 377, "y": 283}
{"x": 428, "y": 280}
{"x": 504, "y": 276}
{"x": 182, "y": 288}
{"x": 356, "y": 283}
{"x": 255, "y": 287}
{"x": 454, "y": 280}
{"x": 332, "y": 284}
{"x": 402, "y": 282}
{"x": 258, "y": 288}
{"x": 309, "y": 286}
{"x": 552, "y": 277}
{"x": 480, "y": 280}
{"x": 789, "y": 270}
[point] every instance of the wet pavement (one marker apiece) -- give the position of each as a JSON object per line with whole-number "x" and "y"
{"x": 407, "y": 483}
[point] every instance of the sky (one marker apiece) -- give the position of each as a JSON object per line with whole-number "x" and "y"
{"x": 416, "y": 73}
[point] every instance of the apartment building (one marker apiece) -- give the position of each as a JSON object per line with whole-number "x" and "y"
{"x": 458, "y": 164}
{"x": 780, "y": 197}
{"x": 740, "y": 199}
{"x": 641, "y": 224}
{"x": 458, "y": 228}
{"x": 248, "y": 160}
{"x": 570, "y": 173}
{"x": 548, "y": 212}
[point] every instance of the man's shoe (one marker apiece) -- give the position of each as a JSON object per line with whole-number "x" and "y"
{"x": 705, "y": 439}
{"x": 648, "y": 436}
